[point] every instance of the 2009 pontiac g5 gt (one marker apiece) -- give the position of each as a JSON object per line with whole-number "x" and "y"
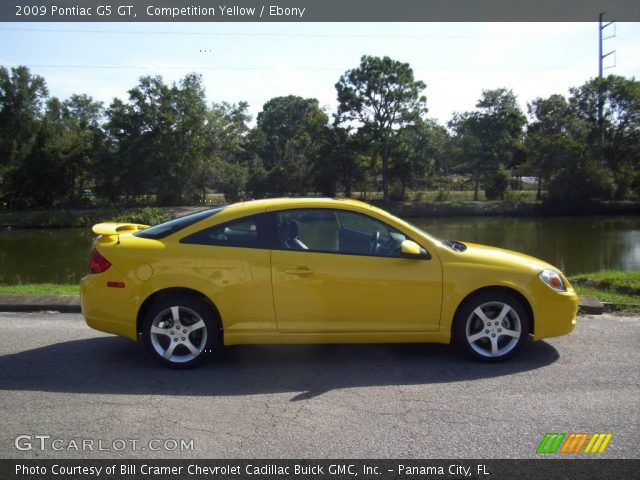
{"x": 314, "y": 271}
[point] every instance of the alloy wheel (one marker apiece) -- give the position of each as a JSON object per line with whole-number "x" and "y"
{"x": 178, "y": 334}
{"x": 493, "y": 329}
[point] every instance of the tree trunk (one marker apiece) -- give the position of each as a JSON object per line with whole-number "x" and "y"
{"x": 539, "y": 194}
{"x": 475, "y": 193}
{"x": 385, "y": 176}
{"x": 347, "y": 186}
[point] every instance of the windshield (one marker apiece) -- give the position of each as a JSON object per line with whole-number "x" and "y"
{"x": 167, "y": 228}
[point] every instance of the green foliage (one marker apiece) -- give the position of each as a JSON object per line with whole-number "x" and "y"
{"x": 291, "y": 135}
{"x": 442, "y": 196}
{"x": 158, "y": 139}
{"x": 382, "y": 95}
{"x": 609, "y": 110}
{"x": 21, "y": 98}
{"x": 230, "y": 179}
{"x": 513, "y": 196}
{"x": 569, "y": 191}
{"x": 164, "y": 145}
{"x": 144, "y": 216}
{"x": 488, "y": 137}
{"x": 497, "y": 183}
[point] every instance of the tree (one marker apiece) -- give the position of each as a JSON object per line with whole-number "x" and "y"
{"x": 54, "y": 171}
{"x": 21, "y": 99}
{"x": 292, "y": 132}
{"x": 225, "y": 167}
{"x": 610, "y": 110}
{"x": 488, "y": 137}
{"x": 550, "y": 139}
{"x": 418, "y": 154}
{"x": 383, "y": 96}
{"x": 157, "y": 140}
{"x": 341, "y": 155}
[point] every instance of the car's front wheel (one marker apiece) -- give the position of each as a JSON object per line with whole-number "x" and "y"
{"x": 491, "y": 326}
{"x": 179, "y": 331}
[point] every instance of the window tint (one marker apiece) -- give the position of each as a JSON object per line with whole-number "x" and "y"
{"x": 246, "y": 232}
{"x": 361, "y": 234}
{"x": 337, "y": 231}
{"x": 167, "y": 228}
{"x": 307, "y": 230}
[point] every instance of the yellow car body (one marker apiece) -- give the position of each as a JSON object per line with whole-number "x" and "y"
{"x": 273, "y": 294}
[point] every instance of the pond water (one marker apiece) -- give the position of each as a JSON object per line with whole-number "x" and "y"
{"x": 573, "y": 244}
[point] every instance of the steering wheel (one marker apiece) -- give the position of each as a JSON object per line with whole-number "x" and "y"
{"x": 373, "y": 244}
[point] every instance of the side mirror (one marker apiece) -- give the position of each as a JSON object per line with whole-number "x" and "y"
{"x": 411, "y": 249}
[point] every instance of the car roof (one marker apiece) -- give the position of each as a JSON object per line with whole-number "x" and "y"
{"x": 301, "y": 202}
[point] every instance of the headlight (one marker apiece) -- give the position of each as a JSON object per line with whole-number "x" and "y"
{"x": 553, "y": 279}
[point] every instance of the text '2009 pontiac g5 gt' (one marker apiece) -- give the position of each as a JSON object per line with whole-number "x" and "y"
{"x": 315, "y": 271}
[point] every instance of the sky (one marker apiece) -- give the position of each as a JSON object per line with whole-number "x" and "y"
{"x": 255, "y": 62}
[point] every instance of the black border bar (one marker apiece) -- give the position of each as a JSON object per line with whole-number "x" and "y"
{"x": 317, "y": 10}
{"x": 566, "y": 469}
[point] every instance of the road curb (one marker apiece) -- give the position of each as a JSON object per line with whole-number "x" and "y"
{"x": 40, "y": 303}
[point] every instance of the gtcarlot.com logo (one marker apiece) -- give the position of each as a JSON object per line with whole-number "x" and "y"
{"x": 574, "y": 442}
{"x": 47, "y": 442}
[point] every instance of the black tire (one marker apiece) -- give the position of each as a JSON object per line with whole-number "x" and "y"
{"x": 485, "y": 325}
{"x": 183, "y": 347}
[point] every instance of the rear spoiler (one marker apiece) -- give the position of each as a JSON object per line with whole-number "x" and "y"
{"x": 112, "y": 228}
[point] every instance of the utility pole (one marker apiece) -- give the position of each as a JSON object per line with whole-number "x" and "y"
{"x": 601, "y": 56}
{"x": 601, "y": 39}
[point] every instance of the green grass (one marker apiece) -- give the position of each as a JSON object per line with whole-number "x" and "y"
{"x": 623, "y": 282}
{"x": 40, "y": 289}
{"x": 620, "y": 288}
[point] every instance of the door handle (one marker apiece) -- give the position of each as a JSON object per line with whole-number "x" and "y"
{"x": 299, "y": 271}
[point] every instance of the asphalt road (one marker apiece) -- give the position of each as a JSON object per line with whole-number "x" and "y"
{"x": 61, "y": 379}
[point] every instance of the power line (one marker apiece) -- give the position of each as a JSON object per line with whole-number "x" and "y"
{"x": 266, "y": 68}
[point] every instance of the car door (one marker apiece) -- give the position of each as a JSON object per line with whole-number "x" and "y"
{"x": 233, "y": 260}
{"x": 330, "y": 274}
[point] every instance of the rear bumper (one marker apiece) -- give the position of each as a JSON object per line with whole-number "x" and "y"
{"x": 110, "y": 310}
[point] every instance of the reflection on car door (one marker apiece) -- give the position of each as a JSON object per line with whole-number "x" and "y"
{"x": 320, "y": 285}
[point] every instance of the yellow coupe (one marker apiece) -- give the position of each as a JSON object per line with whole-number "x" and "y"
{"x": 315, "y": 270}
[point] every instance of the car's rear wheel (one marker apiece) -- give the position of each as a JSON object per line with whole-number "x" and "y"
{"x": 179, "y": 331}
{"x": 491, "y": 327}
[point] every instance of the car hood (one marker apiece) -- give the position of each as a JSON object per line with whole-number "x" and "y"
{"x": 483, "y": 254}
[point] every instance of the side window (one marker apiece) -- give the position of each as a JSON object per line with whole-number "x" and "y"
{"x": 336, "y": 231}
{"x": 248, "y": 232}
{"x": 361, "y": 234}
{"x": 307, "y": 229}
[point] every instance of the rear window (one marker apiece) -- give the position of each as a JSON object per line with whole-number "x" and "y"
{"x": 167, "y": 228}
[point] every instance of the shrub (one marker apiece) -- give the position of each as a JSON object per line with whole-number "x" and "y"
{"x": 577, "y": 190}
{"x": 146, "y": 216}
{"x": 497, "y": 184}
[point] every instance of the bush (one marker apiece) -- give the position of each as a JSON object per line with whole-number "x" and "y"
{"x": 145, "y": 216}
{"x": 577, "y": 190}
{"x": 513, "y": 196}
{"x": 396, "y": 191}
{"x": 497, "y": 184}
{"x": 442, "y": 196}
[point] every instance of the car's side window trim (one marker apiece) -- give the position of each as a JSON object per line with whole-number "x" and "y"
{"x": 275, "y": 240}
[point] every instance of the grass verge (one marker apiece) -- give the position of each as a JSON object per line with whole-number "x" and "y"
{"x": 40, "y": 289}
{"x": 611, "y": 286}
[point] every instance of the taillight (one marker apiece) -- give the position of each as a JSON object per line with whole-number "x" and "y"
{"x": 97, "y": 263}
